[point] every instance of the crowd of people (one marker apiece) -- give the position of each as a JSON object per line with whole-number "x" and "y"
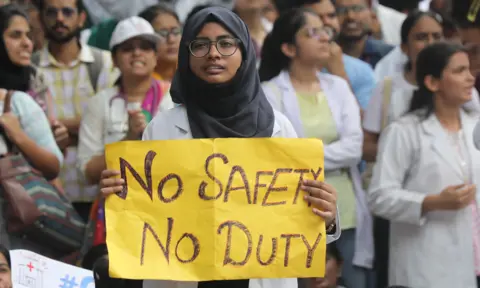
{"x": 391, "y": 89}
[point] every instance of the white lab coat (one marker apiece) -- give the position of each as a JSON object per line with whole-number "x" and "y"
{"x": 416, "y": 159}
{"x": 173, "y": 124}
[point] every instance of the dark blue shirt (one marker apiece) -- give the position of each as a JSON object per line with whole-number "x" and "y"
{"x": 374, "y": 51}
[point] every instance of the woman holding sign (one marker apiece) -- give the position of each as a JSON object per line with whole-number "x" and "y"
{"x": 219, "y": 91}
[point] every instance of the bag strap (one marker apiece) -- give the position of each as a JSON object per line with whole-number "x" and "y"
{"x": 6, "y": 109}
{"x": 387, "y": 96}
{"x": 95, "y": 68}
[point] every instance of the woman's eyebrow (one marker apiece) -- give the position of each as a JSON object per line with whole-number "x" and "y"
{"x": 226, "y": 36}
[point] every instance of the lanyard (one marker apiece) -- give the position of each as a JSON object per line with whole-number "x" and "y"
{"x": 156, "y": 97}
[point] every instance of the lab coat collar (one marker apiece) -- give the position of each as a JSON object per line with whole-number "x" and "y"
{"x": 443, "y": 145}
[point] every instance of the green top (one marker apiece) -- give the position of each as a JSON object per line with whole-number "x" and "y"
{"x": 318, "y": 122}
{"x": 101, "y": 34}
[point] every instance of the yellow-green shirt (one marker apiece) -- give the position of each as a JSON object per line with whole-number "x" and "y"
{"x": 318, "y": 122}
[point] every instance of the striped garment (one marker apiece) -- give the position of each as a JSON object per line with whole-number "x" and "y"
{"x": 71, "y": 89}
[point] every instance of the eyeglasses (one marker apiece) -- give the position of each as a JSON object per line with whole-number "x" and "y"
{"x": 318, "y": 32}
{"x": 52, "y": 12}
{"x": 201, "y": 48}
{"x": 165, "y": 33}
{"x": 343, "y": 10}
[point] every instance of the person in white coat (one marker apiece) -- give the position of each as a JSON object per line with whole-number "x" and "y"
{"x": 123, "y": 111}
{"x": 219, "y": 92}
{"x": 426, "y": 176}
{"x": 322, "y": 106}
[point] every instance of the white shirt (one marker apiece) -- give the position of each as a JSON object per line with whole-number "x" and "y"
{"x": 393, "y": 63}
{"x": 391, "y": 21}
{"x": 401, "y": 95}
{"x": 105, "y": 121}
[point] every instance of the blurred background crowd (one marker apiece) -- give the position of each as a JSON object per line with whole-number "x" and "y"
{"x": 92, "y": 81}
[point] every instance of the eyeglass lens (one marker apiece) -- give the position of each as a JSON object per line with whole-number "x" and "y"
{"x": 226, "y": 47}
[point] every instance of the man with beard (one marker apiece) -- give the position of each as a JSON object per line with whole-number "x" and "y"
{"x": 74, "y": 73}
{"x": 355, "y": 20}
{"x": 358, "y": 73}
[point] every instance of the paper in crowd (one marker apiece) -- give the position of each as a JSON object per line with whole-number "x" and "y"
{"x": 198, "y": 210}
{"x": 31, "y": 270}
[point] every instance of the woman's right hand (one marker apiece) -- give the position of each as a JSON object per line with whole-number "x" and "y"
{"x": 457, "y": 197}
{"x": 136, "y": 124}
{"x": 110, "y": 184}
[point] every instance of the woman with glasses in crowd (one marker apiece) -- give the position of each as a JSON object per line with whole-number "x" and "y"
{"x": 167, "y": 25}
{"x": 219, "y": 90}
{"x": 426, "y": 176}
{"x": 322, "y": 106}
{"x": 122, "y": 112}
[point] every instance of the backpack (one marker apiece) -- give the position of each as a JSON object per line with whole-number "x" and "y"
{"x": 94, "y": 69}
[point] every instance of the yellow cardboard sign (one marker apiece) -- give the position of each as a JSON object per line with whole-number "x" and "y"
{"x": 198, "y": 210}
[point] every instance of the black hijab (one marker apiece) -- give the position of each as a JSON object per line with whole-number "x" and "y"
{"x": 12, "y": 76}
{"x": 238, "y": 108}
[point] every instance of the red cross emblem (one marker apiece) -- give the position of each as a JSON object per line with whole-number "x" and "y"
{"x": 30, "y": 266}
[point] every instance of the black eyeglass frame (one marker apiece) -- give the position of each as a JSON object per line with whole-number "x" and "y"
{"x": 237, "y": 43}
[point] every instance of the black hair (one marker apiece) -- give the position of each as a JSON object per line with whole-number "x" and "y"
{"x": 461, "y": 10}
{"x": 4, "y": 251}
{"x": 196, "y": 9}
{"x": 410, "y": 22}
{"x": 450, "y": 26}
{"x": 41, "y": 4}
{"x": 154, "y": 11}
{"x": 8, "y": 12}
{"x": 93, "y": 255}
{"x": 102, "y": 277}
{"x": 401, "y": 5}
{"x": 300, "y": 3}
{"x": 431, "y": 62}
{"x": 284, "y": 30}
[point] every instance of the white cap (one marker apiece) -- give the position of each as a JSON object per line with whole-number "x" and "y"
{"x": 131, "y": 28}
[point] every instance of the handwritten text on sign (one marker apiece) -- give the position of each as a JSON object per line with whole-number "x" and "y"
{"x": 197, "y": 210}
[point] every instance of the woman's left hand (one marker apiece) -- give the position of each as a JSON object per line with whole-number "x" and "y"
{"x": 11, "y": 124}
{"x": 323, "y": 198}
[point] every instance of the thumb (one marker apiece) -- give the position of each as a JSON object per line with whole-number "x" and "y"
{"x": 456, "y": 187}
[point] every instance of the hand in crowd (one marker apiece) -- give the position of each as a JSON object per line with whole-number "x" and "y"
{"x": 11, "y": 124}
{"x": 451, "y": 198}
{"x": 323, "y": 198}
{"x": 60, "y": 132}
{"x": 136, "y": 124}
{"x": 109, "y": 184}
{"x": 457, "y": 197}
{"x": 335, "y": 63}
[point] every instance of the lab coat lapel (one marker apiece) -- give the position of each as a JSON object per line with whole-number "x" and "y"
{"x": 442, "y": 145}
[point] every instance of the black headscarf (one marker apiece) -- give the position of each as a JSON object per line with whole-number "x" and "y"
{"x": 12, "y": 76}
{"x": 238, "y": 108}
